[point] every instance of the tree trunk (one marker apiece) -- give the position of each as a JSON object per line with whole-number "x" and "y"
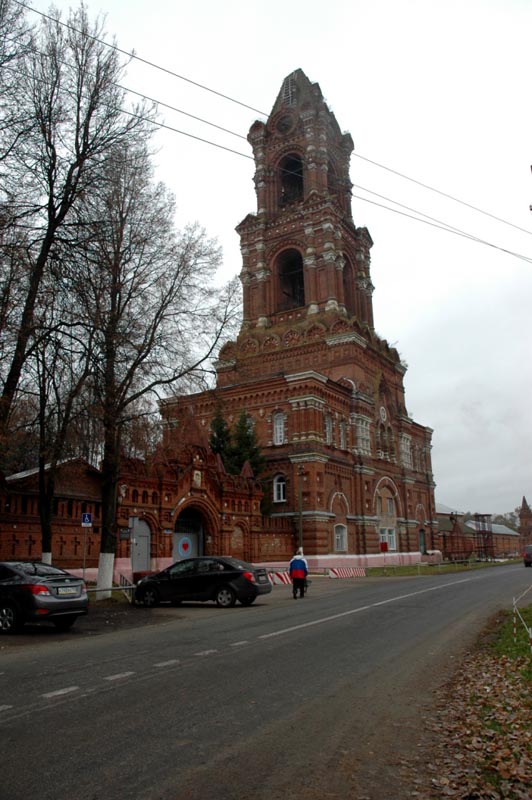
{"x": 110, "y": 468}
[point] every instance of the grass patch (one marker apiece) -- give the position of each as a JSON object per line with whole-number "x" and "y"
{"x": 513, "y": 642}
{"x": 429, "y": 569}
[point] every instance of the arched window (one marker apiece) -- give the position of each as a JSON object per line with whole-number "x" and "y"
{"x": 291, "y": 280}
{"x": 278, "y": 428}
{"x": 135, "y": 496}
{"x": 154, "y": 498}
{"x": 291, "y": 179}
{"x": 279, "y": 489}
{"x": 144, "y": 496}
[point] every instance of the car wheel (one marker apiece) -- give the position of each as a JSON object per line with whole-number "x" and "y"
{"x": 247, "y": 601}
{"x": 9, "y": 618}
{"x": 63, "y": 624}
{"x": 150, "y": 598}
{"x": 225, "y": 597}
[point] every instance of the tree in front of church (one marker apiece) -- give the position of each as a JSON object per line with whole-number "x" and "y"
{"x": 245, "y": 446}
{"x": 220, "y": 435}
{"x": 237, "y": 445}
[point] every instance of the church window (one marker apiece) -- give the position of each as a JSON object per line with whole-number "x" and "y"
{"x": 279, "y": 428}
{"x": 340, "y": 538}
{"x": 291, "y": 280}
{"x": 387, "y": 536}
{"x": 328, "y": 429}
{"x": 279, "y": 489}
{"x": 363, "y": 436}
{"x": 343, "y": 436}
{"x": 290, "y": 179}
{"x": 405, "y": 450}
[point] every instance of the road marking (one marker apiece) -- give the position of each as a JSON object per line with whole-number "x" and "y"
{"x": 360, "y": 608}
{"x": 118, "y": 676}
{"x": 60, "y": 692}
{"x": 167, "y": 663}
{"x": 5, "y": 708}
{"x": 239, "y": 644}
{"x": 205, "y": 652}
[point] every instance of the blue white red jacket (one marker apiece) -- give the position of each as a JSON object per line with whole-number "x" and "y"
{"x": 298, "y": 567}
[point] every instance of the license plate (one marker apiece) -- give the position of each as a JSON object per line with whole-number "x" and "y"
{"x": 263, "y": 579}
{"x": 67, "y": 590}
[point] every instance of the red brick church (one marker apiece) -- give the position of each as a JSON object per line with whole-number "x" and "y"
{"x": 348, "y": 471}
{"x": 346, "y": 463}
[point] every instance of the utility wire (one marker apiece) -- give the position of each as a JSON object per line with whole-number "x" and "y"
{"x": 429, "y": 220}
{"x": 142, "y": 60}
{"x": 263, "y": 113}
{"x": 443, "y": 194}
{"x": 443, "y": 227}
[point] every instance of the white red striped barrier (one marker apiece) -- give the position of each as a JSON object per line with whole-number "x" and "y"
{"x": 347, "y": 572}
{"x": 280, "y": 577}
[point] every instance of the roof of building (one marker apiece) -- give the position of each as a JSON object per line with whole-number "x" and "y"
{"x": 494, "y": 527}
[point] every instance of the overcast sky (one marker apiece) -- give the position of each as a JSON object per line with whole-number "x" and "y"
{"x": 437, "y": 90}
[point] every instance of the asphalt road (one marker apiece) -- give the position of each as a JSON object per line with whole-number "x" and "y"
{"x": 307, "y": 699}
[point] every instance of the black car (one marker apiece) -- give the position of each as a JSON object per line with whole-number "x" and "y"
{"x": 221, "y": 579}
{"x": 31, "y": 591}
{"x": 527, "y": 555}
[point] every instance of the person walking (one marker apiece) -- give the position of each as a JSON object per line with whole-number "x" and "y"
{"x": 298, "y": 570}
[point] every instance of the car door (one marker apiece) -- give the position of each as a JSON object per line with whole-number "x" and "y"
{"x": 179, "y": 581}
{"x": 209, "y": 575}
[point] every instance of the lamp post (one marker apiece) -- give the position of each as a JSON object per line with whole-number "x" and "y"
{"x": 300, "y": 473}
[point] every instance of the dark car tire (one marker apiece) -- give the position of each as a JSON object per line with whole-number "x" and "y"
{"x": 150, "y": 598}
{"x": 225, "y": 597}
{"x": 247, "y": 601}
{"x": 63, "y": 624}
{"x": 10, "y": 621}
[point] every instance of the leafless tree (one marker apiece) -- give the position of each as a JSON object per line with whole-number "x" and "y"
{"x": 71, "y": 113}
{"x": 148, "y": 294}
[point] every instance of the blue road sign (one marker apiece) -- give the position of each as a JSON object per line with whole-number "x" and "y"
{"x": 86, "y": 520}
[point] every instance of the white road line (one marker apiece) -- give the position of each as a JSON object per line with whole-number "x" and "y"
{"x": 167, "y": 663}
{"x": 239, "y": 644}
{"x": 205, "y": 652}
{"x": 118, "y": 676}
{"x": 361, "y": 608}
{"x": 60, "y": 692}
{"x": 5, "y": 708}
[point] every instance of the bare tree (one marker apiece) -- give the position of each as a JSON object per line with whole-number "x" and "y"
{"x": 148, "y": 293}
{"x": 71, "y": 116}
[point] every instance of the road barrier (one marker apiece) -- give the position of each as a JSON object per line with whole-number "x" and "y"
{"x": 347, "y": 572}
{"x": 280, "y": 577}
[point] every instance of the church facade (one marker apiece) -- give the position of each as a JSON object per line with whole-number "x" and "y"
{"x": 348, "y": 472}
{"x": 346, "y": 464}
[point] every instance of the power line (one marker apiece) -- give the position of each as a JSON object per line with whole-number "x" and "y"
{"x": 429, "y": 220}
{"x": 443, "y": 194}
{"x": 132, "y": 55}
{"x": 443, "y": 227}
{"x": 142, "y": 60}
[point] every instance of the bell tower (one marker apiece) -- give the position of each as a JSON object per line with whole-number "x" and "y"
{"x": 306, "y": 266}
{"x": 345, "y": 465}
